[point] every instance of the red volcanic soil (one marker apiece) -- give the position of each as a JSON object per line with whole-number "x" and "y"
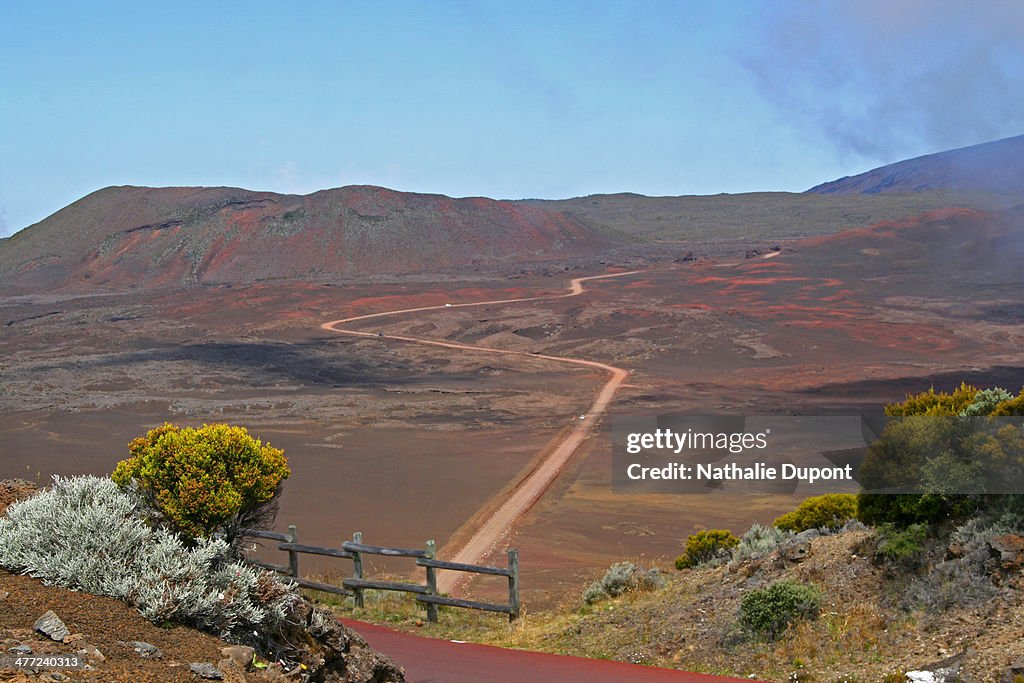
{"x": 135, "y": 237}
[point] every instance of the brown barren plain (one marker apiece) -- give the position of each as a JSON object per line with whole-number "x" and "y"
{"x": 407, "y": 442}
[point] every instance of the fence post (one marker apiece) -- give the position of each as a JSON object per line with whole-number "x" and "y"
{"x": 431, "y": 584}
{"x": 357, "y": 569}
{"x": 513, "y": 584}
{"x": 293, "y": 557}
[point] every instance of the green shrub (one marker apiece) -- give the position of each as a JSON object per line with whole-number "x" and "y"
{"x": 902, "y": 547}
{"x": 767, "y": 612}
{"x": 948, "y": 457}
{"x": 875, "y": 509}
{"x": 829, "y": 511}
{"x": 213, "y": 479}
{"x": 620, "y": 578}
{"x": 707, "y": 546}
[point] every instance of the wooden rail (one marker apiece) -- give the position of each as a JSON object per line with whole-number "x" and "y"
{"x": 355, "y": 585}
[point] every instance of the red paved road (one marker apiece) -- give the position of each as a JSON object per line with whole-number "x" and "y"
{"x": 432, "y": 660}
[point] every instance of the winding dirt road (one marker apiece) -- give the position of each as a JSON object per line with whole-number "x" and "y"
{"x": 532, "y": 487}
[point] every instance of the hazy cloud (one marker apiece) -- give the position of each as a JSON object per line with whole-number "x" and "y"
{"x": 882, "y": 79}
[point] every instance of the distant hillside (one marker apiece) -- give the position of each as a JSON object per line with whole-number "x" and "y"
{"x": 129, "y": 237}
{"x": 962, "y": 251}
{"x": 753, "y": 215}
{"x": 994, "y": 167}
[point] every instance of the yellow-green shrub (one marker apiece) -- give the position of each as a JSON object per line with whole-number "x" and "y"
{"x": 1013, "y": 406}
{"x": 707, "y": 546}
{"x": 215, "y": 478}
{"x": 935, "y": 403}
{"x": 829, "y": 511}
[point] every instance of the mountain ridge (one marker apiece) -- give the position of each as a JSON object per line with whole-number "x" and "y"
{"x": 137, "y": 237}
{"x": 995, "y": 167}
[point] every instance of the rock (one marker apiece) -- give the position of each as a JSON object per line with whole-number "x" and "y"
{"x": 206, "y": 670}
{"x": 795, "y": 550}
{"x": 945, "y": 671}
{"x": 808, "y": 535}
{"x": 50, "y": 625}
{"x": 4, "y": 595}
{"x": 276, "y": 672}
{"x": 91, "y": 653}
{"x": 239, "y": 654}
{"x": 1011, "y": 550}
{"x": 145, "y": 650}
{"x": 73, "y": 638}
{"x": 20, "y": 650}
{"x": 330, "y": 650}
{"x": 1012, "y": 671}
{"x": 232, "y": 672}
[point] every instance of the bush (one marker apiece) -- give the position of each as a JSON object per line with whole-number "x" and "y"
{"x": 620, "y": 578}
{"x": 1013, "y": 406}
{"x": 987, "y": 400}
{"x": 704, "y": 547}
{"x": 876, "y": 509}
{"x": 935, "y": 403}
{"x": 758, "y": 541}
{"x": 86, "y": 533}
{"x": 830, "y": 511}
{"x": 767, "y": 612}
{"x": 201, "y": 481}
{"x": 957, "y": 460}
{"x": 902, "y": 548}
{"x": 961, "y": 582}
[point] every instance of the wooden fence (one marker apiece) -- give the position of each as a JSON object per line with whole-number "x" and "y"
{"x": 355, "y": 585}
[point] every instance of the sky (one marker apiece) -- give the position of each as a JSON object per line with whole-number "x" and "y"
{"x": 500, "y": 99}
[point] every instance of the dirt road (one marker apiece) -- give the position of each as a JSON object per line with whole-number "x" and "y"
{"x": 537, "y": 482}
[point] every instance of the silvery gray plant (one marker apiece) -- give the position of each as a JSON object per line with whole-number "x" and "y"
{"x": 86, "y": 533}
{"x": 758, "y": 542}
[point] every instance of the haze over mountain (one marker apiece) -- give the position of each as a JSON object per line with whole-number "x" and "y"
{"x": 132, "y": 237}
{"x": 995, "y": 167}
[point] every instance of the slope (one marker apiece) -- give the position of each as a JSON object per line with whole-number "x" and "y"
{"x": 133, "y": 237}
{"x": 994, "y": 167}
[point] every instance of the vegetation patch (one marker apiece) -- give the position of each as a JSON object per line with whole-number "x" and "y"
{"x": 759, "y": 541}
{"x": 201, "y": 481}
{"x": 830, "y": 511}
{"x": 768, "y": 612}
{"x": 707, "y": 547}
{"x": 623, "y": 577}
{"x": 88, "y": 534}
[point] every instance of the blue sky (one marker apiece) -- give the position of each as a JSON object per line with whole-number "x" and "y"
{"x": 508, "y": 100}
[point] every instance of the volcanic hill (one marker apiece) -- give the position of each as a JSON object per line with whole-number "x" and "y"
{"x": 994, "y": 167}
{"x": 136, "y": 237}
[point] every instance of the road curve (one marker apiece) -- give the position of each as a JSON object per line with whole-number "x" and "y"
{"x": 433, "y": 660}
{"x": 533, "y": 486}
